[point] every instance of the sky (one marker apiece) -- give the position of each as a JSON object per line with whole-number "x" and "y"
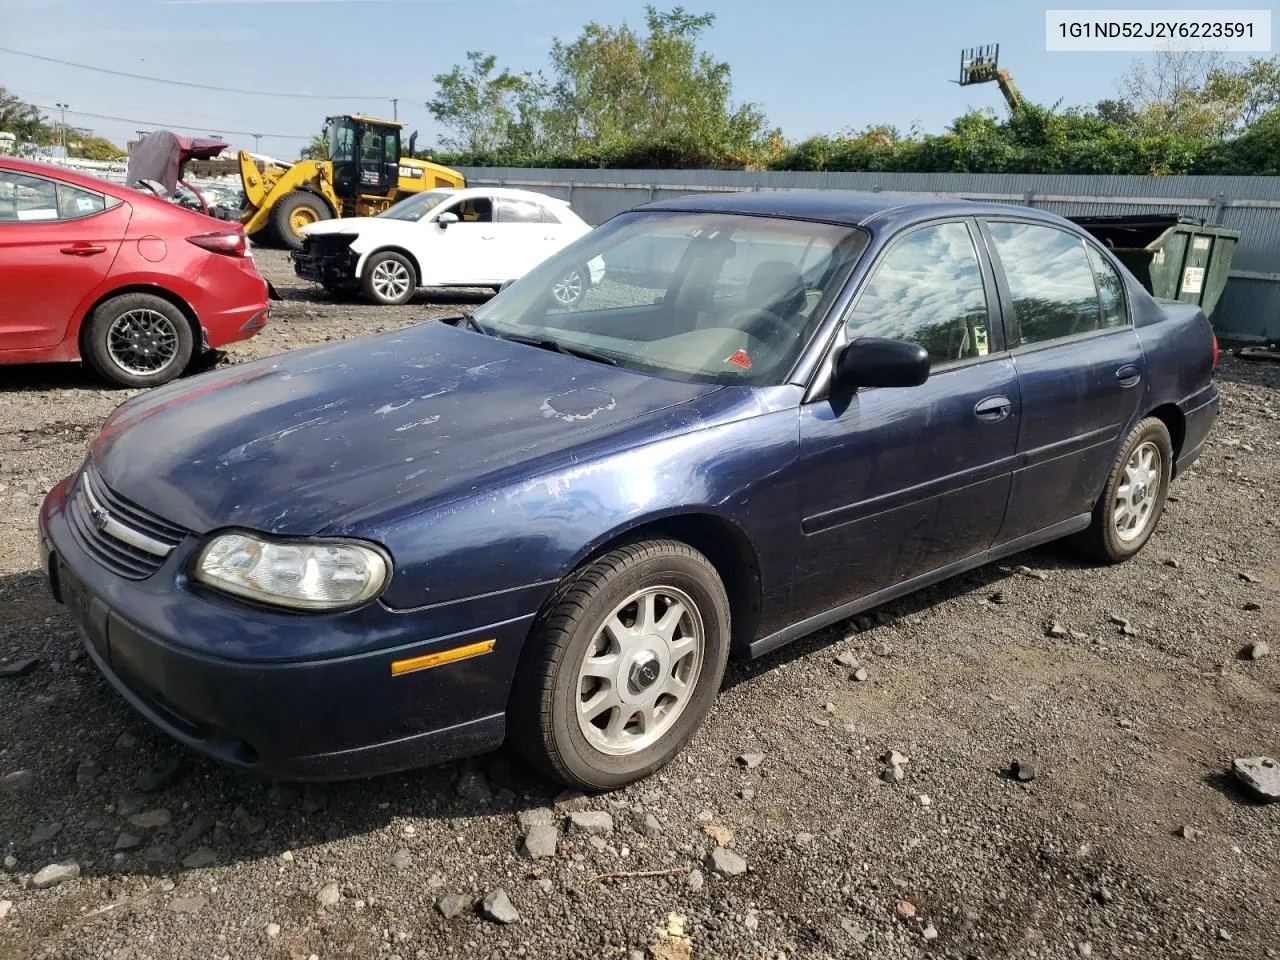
{"x": 814, "y": 66}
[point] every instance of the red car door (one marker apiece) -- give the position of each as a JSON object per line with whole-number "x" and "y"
{"x": 57, "y": 243}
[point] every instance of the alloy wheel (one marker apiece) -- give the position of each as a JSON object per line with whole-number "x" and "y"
{"x": 640, "y": 670}
{"x": 1138, "y": 492}
{"x": 142, "y": 342}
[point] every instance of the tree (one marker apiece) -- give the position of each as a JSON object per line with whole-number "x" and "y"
{"x": 97, "y": 148}
{"x": 480, "y": 108}
{"x": 316, "y": 149}
{"x": 23, "y": 119}
{"x": 616, "y": 90}
{"x": 1196, "y": 94}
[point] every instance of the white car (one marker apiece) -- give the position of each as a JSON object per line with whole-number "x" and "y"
{"x": 476, "y": 237}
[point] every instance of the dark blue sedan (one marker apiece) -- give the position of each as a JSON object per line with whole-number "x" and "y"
{"x": 550, "y": 524}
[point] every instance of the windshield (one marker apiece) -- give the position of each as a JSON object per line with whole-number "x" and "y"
{"x": 416, "y": 207}
{"x": 716, "y": 298}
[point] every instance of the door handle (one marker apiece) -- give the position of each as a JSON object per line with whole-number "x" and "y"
{"x": 993, "y": 409}
{"x": 487, "y": 238}
{"x": 1129, "y": 375}
{"x": 83, "y": 250}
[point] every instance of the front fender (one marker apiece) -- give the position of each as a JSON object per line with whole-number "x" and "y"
{"x": 732, "y": 460}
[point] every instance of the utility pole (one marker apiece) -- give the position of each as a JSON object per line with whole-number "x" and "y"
{"x": 395, "y": 108}
{"x": 63, "y": 137}
{"x": 257, "y": 139}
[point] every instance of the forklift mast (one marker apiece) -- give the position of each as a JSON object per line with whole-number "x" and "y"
{"x": 982, "y": 65}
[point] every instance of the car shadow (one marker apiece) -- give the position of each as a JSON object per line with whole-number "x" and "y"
{"x": 88, "y": 757}
{"x": 86, "y": 764}
{"x": 434, "y": 296}
{"x": 980, "y": 582}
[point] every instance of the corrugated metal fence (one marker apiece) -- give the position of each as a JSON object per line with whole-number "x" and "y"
{"x": 1250, "y": 307}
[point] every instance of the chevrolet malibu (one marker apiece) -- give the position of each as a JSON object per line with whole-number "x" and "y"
{"x": 550, "y": 525}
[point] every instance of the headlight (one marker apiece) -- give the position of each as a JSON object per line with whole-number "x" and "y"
{"x": 321, "y": 575}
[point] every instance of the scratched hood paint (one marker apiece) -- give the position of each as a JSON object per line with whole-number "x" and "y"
{"x": 297, "y": 443}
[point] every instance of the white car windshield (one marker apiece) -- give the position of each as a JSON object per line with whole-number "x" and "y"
{"x": 416, "y": 207}
{"x": 710, "y": 297}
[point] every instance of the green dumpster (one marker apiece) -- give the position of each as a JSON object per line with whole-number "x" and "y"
{"x": 1174, "y": 257}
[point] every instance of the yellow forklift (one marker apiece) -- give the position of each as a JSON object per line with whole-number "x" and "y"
{"x": 364, "y": 174}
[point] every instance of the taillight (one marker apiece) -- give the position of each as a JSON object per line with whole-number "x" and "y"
{"x": 232, "y": 243}
{"x": 1217, "y": 351}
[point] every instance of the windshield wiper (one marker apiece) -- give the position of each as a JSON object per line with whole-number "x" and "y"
{"x": 465, "y": 319}
{"x": 546, "y": 343}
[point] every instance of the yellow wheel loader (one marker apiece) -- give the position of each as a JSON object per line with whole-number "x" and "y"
{"x": 364, "y": 175}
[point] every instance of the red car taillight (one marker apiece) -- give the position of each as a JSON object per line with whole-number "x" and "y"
{"x": 232, "y": 243}
{"x": 1217, "y": 351}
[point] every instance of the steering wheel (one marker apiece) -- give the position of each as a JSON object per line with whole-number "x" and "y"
{"x": 748, "y": 318}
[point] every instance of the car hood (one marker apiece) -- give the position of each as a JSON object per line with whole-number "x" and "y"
{"x": 353, "y": 225}
{"x": 305, "y": 441}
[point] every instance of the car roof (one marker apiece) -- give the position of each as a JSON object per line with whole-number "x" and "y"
{"x": 509, "y": 192}
{"x": 849, "y": 207}
{"x": 65, "y": 174}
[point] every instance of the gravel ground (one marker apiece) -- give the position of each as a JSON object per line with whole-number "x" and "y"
{"x": 1130, "y": 840}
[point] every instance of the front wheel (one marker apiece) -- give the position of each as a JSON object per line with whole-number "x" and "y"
{"x": 295, "y": 211}
{"x": 621, "y": 673}
{"x": 1126, "y": 514}
{"x": 389, "y": 278}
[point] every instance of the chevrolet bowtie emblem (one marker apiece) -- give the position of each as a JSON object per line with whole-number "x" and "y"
{"x": 99, "y": 516}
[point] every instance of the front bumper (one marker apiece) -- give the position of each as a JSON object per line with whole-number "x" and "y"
{"x": 328, "y": 264}
{"x": 339, "y": 716}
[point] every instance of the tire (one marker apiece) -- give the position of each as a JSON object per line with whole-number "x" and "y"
{"x": 138, "y": 340}
{"x": 389, "y": 278}
{"x": 292, "y": 212}
{"x": 611, "y": 748}
{"x": 569, "y": 290}
{"x": 1120, "y": 529}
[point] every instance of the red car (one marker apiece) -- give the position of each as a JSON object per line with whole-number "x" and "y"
{"x": 129, "y": 283}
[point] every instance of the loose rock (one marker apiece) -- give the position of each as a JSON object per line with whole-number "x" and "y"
{"x": 127, "y": 841}
{"x": 591, "y": 821}
{"x": 497, "y": 906}
{"x": 1259, "y": 774}
{"x": 150, "y": 819}
{"x": 451, "y": 905}
{"x": 861, "y": 675}
{"x": 46, "y": 832}
{"x": 1257, "y": 650}
{"x": 882, "y": 650}
{"x": 751, "y": 760}
{"x": 535, "y": 817}
{"x": 187, "y": 904}
{"x": 540, "y": 842}
{"x": 905, "y": 909}
{"x": 273, "y": 930}
{"x": 54, "y": 874}
{"x": 18, "y": 668}
{"x": 1056, "y": 629}
{"x": 473, "y": 785}
{"x": 1023, "y": 770}
{"x": 157, "y": 778}
{"x": 5, "y": 907}
{"x": 329, "y": 895}
{"x": 650, "y": 826}
{"x": 400, "y": 859}
{"x": 727, "y": 863}
{"x": 695, "y": 880}
{"x": 15, "y": 781}
{"x": 87, "y": 771}
{"x": 846, "y": 658}
{"x": 203, "y": 857}
{"x": 1188, "y": 832}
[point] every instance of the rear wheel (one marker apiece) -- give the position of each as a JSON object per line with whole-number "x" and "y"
{"x": 616, "y": 680}
{"x": 138, "y": 340}
{"x": 294, "y": 211}
{"x": 1125, "y": 516}
{"x": 389, "y": 278}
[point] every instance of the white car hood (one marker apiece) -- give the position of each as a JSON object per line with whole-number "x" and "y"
{"x": 360, "y": 226}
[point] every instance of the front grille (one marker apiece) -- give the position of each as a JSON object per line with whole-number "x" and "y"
{"x": 127, "y": 539}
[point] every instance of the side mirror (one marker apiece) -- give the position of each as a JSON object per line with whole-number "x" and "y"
{"x": 879, "y": 362}
{"x": 445, "y": 219}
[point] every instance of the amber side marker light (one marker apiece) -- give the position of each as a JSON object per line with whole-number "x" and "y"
{"x": 429, "y": 660}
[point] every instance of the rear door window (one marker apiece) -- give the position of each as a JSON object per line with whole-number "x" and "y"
{"x": 1110, "y": 289}
{"x": 26, "y": 199}
{"x": 518, "y": 211}
{"x": 1050, "y": 281}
